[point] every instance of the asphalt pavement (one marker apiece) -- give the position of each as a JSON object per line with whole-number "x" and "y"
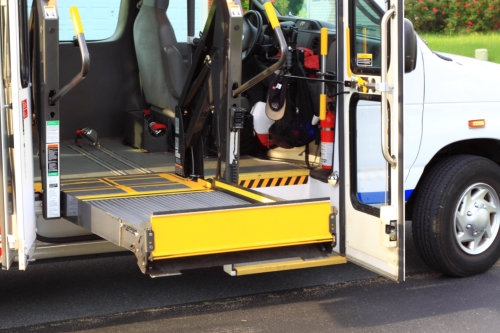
{"x": 426, "y": 302}
{"x": 110, "y": 295}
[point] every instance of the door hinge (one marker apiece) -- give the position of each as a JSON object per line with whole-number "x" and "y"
{"x": 12, "y": 242}
{"x": 333, "y": 225}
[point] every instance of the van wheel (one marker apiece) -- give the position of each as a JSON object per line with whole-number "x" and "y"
{"x": 456, "y": 219}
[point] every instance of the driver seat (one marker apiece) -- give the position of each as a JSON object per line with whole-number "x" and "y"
{"x": 162, "y": 69}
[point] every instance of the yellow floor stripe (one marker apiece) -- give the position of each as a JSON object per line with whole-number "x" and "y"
{"x": 127, "y": 189}
{"x": 154, "y": 184}
{"x": 124, "y": 186}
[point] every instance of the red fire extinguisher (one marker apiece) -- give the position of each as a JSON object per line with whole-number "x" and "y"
{"x": 327, "y": 135}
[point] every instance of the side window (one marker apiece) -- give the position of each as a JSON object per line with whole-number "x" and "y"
{"x": 365, "y": 37}
{"x": 99, "y": 18}
{"x": 177, "y": 15}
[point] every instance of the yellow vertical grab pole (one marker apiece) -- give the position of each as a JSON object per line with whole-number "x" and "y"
{"x": 324, "y": 54}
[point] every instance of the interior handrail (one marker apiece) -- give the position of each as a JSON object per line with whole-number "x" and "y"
{"x": 78, "y": 27}
{"x": 275, "y": 24}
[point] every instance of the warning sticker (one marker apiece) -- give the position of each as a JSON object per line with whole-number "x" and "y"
{"x": 52, "y": 131}
{"x": 235, "y": 11}
{"x": 364, "y": 60}
{"x": 50, "y": 12}
{"x": 53, "y": 160}
{"x": 52, "y": 179}
{"x": 24, "y": 104}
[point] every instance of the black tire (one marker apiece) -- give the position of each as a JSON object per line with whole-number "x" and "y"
{"x": 456, "y": 217}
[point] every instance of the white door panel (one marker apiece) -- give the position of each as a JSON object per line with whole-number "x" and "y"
{"x": 372, "y": 127}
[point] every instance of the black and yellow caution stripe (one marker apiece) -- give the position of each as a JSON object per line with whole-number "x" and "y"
{"x": 275, "y": 178}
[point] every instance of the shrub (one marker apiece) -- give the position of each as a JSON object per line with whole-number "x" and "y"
{"x": 453, "y": 16}
{"x": 426, "y": 15}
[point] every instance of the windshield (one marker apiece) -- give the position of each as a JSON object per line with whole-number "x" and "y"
{"x": 321, "y": 10}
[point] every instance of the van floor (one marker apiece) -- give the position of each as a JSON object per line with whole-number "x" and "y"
{"x": 113, "y": 158}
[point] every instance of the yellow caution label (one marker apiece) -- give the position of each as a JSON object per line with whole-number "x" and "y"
{"x": 364, "y": 59}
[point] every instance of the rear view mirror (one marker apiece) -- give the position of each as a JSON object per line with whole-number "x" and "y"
{"x": 410, "y": 42}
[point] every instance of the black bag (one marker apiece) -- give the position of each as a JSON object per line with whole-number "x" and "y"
{"x": 295, "y": 129}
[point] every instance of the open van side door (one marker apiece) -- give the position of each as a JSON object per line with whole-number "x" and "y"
{"x": 17, "y": 202}
{"x": 371, "y": 134}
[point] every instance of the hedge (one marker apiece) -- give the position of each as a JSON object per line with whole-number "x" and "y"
{"x": 453, "y": 16}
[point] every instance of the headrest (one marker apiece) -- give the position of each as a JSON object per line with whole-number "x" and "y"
{"x": 160, "y": 4}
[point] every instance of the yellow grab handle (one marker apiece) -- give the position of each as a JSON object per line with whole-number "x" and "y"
{"x": 322, "y": 106}
{"x": 324, "y": 41}
{"x": 75, "y": 18}
{"x": 271, "y": 15}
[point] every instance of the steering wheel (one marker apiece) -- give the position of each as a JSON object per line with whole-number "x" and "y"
{"x": 252, "y": 29}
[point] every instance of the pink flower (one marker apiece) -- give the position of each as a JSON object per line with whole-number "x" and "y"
{"x": 434, "y": 10}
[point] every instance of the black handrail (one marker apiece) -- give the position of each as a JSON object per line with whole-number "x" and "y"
{"x": 77, "y": 25}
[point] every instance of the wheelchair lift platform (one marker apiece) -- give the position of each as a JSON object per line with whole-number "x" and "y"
{"x": 172, "y": 223}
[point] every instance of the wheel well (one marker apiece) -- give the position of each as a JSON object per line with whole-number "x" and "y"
{"x": 487, "y": 148}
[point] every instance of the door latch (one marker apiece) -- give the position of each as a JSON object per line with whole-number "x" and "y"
{"x": 389, "y": 226}
{"x": 390, "y": 229}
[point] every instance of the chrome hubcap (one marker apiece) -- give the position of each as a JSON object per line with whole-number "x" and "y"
{"x": 476, "y": 222}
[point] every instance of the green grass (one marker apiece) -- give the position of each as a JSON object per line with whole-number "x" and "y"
{"x": 466, "y": 44}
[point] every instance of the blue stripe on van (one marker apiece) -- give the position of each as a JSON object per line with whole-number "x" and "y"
{"x": 371, "y": 198}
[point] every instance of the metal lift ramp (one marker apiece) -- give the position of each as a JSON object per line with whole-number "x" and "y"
{"x": 172, "y": 224}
